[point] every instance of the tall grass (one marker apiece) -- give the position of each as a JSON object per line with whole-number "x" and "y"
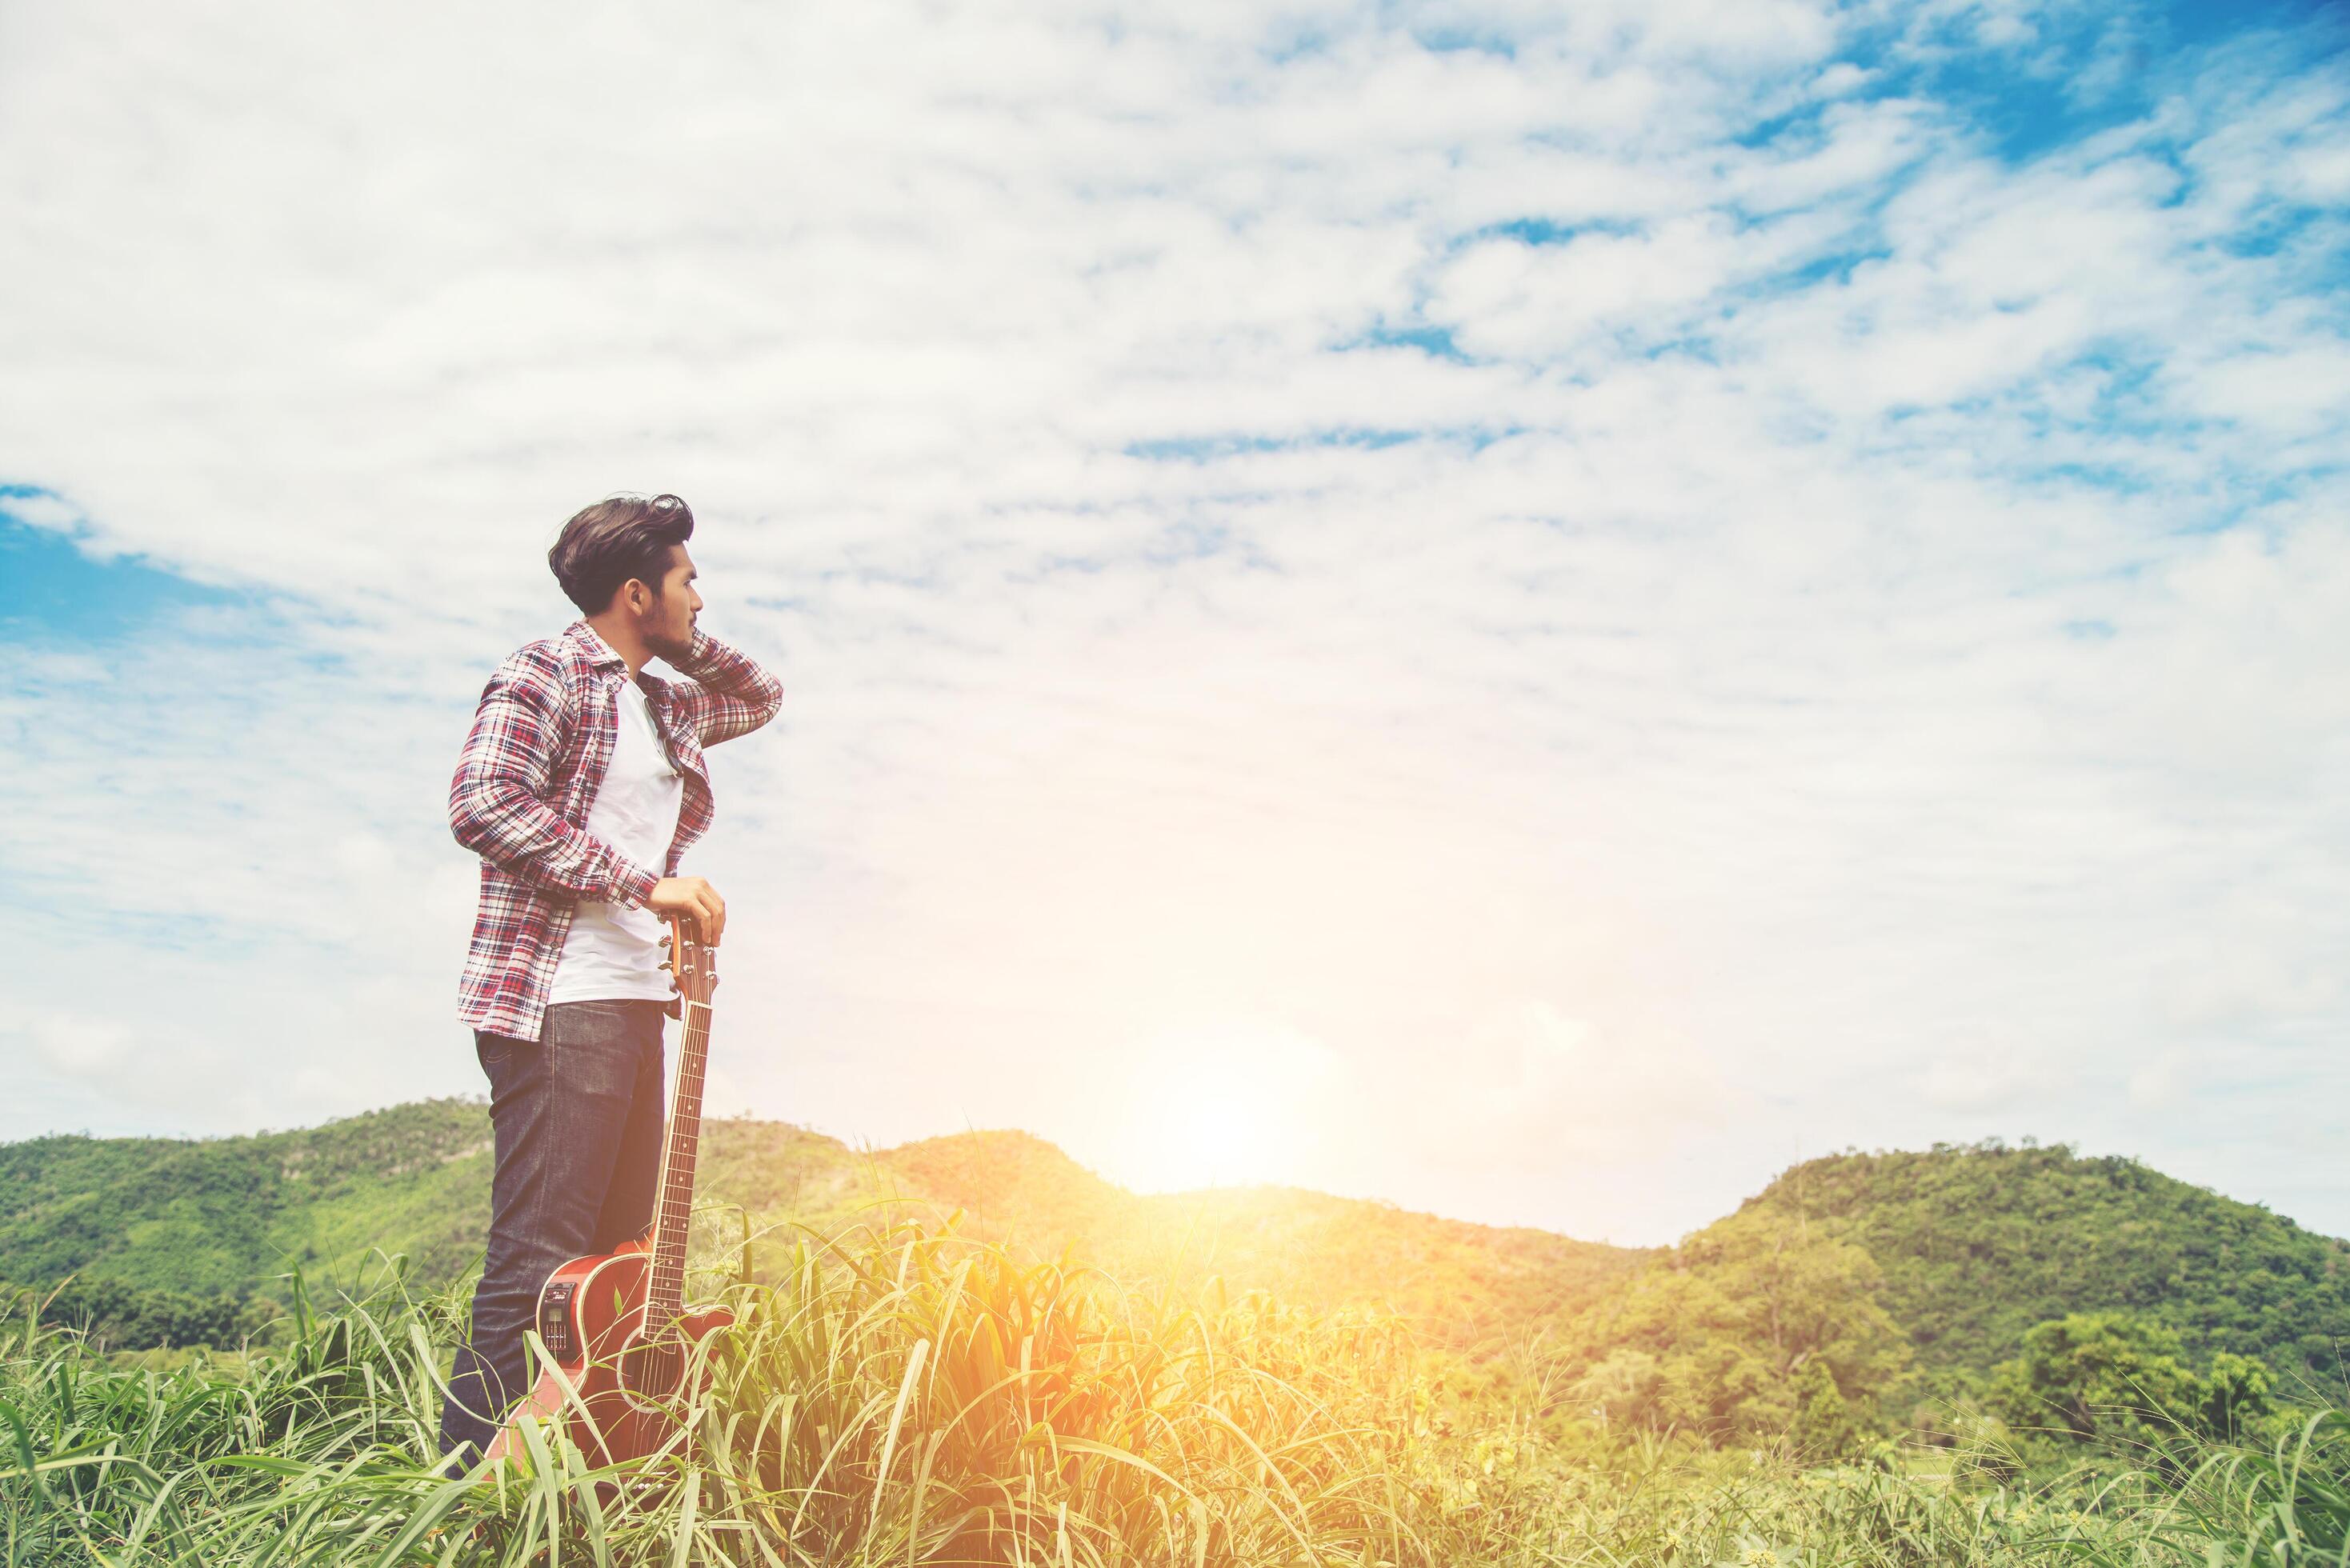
{"x": 913, "y": 1397}
{"x": 904, "y": 1397}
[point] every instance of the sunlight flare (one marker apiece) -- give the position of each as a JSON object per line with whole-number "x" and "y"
{"x": 1219, "y": 1104}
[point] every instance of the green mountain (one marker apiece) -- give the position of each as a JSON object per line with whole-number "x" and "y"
{"x": 229, "y": 1215}
{"x": 234, "y": 1217}
{"x": 1958, "y": 1249}
{"x": 1979, "y": 1243}
{"x": 1470, "y": 1286}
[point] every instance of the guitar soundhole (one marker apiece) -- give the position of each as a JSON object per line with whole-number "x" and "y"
{"x": 653, "y": 1369}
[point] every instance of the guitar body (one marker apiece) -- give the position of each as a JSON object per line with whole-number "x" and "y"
{"x": 591, "y": 1317}
{"x": 616, "y": 1324}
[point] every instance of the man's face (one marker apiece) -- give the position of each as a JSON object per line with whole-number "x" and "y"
{"x": 666, "y": 619}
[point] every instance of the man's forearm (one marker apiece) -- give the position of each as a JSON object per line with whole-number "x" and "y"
{"x": 496, "y": 807}
{"x": 727, "y": 693}
{"x": 523, "y": 836}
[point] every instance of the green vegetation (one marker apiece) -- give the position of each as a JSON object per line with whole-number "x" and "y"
{"x": 2096, "y": 1375}
{"x": 113, "y": 1313}
{"x": 1973, "y": 1244}
{"x": 1745, "y": 1332}
{"x": 914, "y": 1396}
{"x": 231, "y": 1216}
{"x": 1472, "y": 1287}
{"x": 971, "y": 1349}
{"x": 903, "y": 1397}
{"x": 237, "y": 1217}
{"x": 1871, "y": 1294}
{"x": 1980, "y": 1243}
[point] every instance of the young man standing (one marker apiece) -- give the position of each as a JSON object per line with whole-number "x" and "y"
{"x": 581, "y": 786}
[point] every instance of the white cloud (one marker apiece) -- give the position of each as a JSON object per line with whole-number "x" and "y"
{"x": 2158, "y": 1085}
{"x": 80, "y": 1045}
{"x": 1539, "y": 301}
{"x": 1973, "y": 1077}
{"x": 44, "y": 512}
{"x": 2283, "y": 393}
{"x": 1530, "y": 1090}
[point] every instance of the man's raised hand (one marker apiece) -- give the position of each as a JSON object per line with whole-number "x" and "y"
{"x": 693, "y": 898}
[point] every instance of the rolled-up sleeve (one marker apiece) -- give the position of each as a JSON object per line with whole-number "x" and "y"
{"x": 725, "y": 693}
{"x": 497, "y": 806}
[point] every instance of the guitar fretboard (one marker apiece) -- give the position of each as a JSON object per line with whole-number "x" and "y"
{"x": 665, "y": 1292}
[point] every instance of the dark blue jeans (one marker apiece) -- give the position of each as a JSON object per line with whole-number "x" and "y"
{"x": 577, "y": 1121}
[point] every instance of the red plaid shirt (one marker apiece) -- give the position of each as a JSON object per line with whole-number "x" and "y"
{"x": 541, "y": 740}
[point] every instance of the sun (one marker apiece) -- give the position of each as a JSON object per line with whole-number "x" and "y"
{"x": 1205, "y": 1138}
{"x": 1220, "y": 1106}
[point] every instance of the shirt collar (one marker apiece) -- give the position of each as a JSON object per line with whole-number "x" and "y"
{"x": 601, "y": 655}
{"x": 591, "y": 644}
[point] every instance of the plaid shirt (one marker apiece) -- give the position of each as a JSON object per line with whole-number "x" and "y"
{"x": 541, "y": 740}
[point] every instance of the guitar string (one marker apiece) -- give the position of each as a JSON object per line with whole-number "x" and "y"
{"x": 667, "y": 1284}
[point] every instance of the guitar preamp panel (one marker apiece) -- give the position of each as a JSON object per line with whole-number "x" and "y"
{"x": 555, "y": 1320}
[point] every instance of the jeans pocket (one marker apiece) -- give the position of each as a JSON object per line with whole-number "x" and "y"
{"x": 591, "y": 1017}
{"x": 493, "y": 1050}
{"x": 506, "y": 1063}
{"x": 592, "y": 1047}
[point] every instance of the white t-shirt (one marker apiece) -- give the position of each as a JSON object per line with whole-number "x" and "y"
{"x": 612, "y": 952}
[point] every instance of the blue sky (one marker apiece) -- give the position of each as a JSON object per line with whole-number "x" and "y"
{"x": 62, "y": 594}
{"x": 1530, "y": 611}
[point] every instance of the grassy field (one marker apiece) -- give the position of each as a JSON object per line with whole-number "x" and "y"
{"x": 907, "y": 1396}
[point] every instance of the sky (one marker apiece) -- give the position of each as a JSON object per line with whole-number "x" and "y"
{"x": 1529, "y": 611}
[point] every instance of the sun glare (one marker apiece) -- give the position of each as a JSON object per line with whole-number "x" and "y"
{"x": 1218, "y": 1105}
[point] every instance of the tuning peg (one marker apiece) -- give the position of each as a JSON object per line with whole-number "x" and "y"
{"x": 664, "y": 941}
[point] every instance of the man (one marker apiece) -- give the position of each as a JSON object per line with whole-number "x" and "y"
{"x": 581, "y": 786}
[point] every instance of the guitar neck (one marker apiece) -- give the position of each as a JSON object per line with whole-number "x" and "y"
{"x": 665, "y": 1291}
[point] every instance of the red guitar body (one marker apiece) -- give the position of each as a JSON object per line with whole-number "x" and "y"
{"x": 591, "y": 1315}
{"x": 615, "y": 1324}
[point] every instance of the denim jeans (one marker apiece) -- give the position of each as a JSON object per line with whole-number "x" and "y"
{"x": 577, "y": 1121}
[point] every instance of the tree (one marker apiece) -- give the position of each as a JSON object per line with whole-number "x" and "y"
{"x": 2114, "y": 1376}
{"x": 2235, "y": 1394}
{"x": 1622, "y": 1389}
{"x": 1823, "y": 1427}
{"x": 1754, "y": 1327}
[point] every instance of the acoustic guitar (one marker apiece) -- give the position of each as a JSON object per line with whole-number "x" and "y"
{"x": 616, "y": 1325}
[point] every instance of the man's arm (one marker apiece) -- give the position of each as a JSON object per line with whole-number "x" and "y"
{"x": 495, "y": 808}
{"x": 725, "y": 693}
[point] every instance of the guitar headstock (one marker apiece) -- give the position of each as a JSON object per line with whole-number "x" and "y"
{"x": 692, "y": 968}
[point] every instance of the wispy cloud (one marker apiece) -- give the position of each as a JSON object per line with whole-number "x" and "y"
{"x": 1740, "y": 579}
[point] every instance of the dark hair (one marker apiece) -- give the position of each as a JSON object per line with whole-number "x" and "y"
{"x": 626, "y": 536}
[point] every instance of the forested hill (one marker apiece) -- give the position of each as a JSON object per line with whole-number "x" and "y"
{"x": 179, "y": 1240}
{"x": 1979, "y": 1243}
{"x": 1974, "y": 1245}
{"x": 1467, "y": 1284}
